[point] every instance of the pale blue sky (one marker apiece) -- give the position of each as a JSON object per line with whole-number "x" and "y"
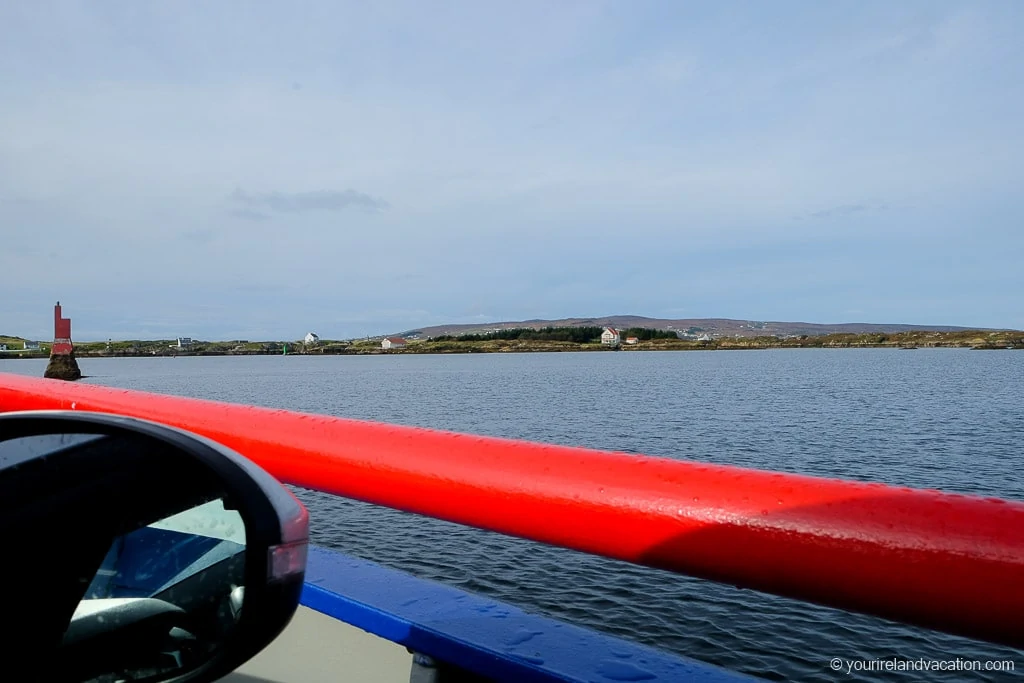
{"x": 259, "y": 170}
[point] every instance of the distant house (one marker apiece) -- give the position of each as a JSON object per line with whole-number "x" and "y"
{"x": 3, "y": 347}
{"x": 632, "y": 340}
{"x": 312, "y": 338}
{"x": 184, "y": 342}
{"x": 31, "y": 346}
{"x": 610, "y": 337}
{"x": 704, "y": 337}
{"x": 393, "y": 343}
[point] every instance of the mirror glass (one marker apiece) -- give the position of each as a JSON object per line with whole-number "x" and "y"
{"x": 164, "y": 599}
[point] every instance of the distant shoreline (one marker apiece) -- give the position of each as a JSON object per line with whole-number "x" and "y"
{"x": 972, "y": 339}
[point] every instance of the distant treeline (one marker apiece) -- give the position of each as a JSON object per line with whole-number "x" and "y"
{"x": 578, "y": 335}
{"x": 647, "y": 334}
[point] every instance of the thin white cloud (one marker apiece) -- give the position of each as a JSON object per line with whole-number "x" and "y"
{"x": 298, "y": 202}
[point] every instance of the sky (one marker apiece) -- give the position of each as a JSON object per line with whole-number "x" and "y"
{"x": 259, "y": 170}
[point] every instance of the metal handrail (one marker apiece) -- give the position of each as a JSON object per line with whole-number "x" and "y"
{"x": 944, "y": 561}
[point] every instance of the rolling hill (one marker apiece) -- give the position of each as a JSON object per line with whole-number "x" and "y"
{"x": 711, "y": 326}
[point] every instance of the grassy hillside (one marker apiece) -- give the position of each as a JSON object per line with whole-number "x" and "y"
{"x": 714, "y": 326}
{"x": 976, "y": 339}
{"x": 15, "y": 346}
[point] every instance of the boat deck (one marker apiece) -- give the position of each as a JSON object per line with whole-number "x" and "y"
{"x": 316, "y": 648}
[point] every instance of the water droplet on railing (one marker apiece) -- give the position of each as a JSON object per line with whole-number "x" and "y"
{"x": 523, "y": 635}
{"x": 624, "y": 671}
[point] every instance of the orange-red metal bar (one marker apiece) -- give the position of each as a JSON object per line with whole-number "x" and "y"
{"x": 945, "y": 561}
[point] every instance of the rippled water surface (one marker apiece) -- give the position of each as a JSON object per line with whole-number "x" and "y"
{"x": 946, "y": 419}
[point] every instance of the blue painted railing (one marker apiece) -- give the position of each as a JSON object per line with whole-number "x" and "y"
{"x": 481, "y": 635}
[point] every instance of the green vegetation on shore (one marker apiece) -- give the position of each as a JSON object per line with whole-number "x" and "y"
{"x": 578, "y": 335}
{"x": 16, "y": 348}
{"x": 542, "y": 340}
{"x": 668, "y": 341}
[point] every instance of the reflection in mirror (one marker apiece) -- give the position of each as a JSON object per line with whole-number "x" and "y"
{"x": 22, "y": 449}
{"x": 164, "y": 599}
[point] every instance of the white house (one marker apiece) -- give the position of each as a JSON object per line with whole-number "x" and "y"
{"x": 610, "y": 337}
{"x": 392, "y": 343}
{"x": 704, "y": 337}
{"x": 311, "y": 338}
{"x": 3, "y": 347}
{"x": 632, "y": 340}
{"x": 31, "y": 346}
{"x": 184, "y": 342}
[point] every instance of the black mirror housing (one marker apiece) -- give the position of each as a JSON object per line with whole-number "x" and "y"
{"x": 135, "y": 551}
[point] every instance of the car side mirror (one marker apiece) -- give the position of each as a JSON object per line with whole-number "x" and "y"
{"x": 134, "y": 551}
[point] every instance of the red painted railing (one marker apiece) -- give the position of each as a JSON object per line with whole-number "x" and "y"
{"x": 944, "y": 561}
